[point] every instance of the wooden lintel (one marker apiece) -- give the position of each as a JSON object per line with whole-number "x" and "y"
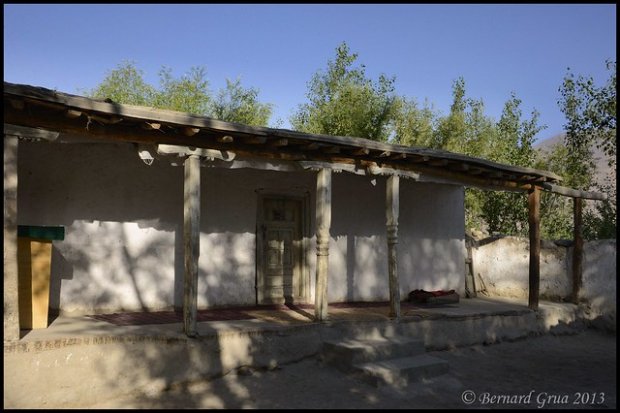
{"x": 225, "y": 139}
{"x": 417, "y": 159}
{"x": 190, "y": 131}
{"x": 108, "y": 120}
{"x": 73, "y": 114}
{"x": 151, "y": 126}
{"x": 255, "y": 140}
{"x": 398, "y": 156}
{"x": 360, "y": 151}
{"x": 17, "y": 104}
{"x": 574, "y": 193}
{"x": 223, "y": 155}
{"x": 438, "y": 162}
{"x": 330, "y": 149}
{"x": 30, "y": 133}
{"x": 475, "y": 171}
{"x": 311, "y": 146}
{"x": 278, "y": 142}
{"x": 463, "y": 167}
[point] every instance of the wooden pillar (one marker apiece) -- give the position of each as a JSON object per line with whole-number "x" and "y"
{"x": 11, "y": 303}
{"x": 391, "y": 211}
{"x": 323, "y": 223}
{"x": 191, "y": 239}
{"x": 577, "y": 248}
{"x": 534, "y": 221}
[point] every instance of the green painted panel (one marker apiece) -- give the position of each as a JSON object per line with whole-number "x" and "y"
{"x": 34, "y": 231}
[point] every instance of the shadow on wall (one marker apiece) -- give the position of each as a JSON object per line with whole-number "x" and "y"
{"x": 431, "y": 248}
{"x": 124, "y": 229}
{"x": 124, "y": 226}
{"x": 502, "y": 267}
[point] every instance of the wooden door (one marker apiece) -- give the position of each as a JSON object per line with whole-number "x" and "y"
{"x": 280, "y": 266}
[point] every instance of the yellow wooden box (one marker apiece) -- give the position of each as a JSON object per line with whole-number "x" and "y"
{"x": 34, "y": 252}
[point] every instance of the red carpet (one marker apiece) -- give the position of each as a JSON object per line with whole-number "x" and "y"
{"x": 218, "y": 314}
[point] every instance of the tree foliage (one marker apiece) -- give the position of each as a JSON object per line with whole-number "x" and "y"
{"x": 344, "y": 102}
{"x": 125, "y": 84}
{"x": 590, "y": 112}
{"x": 238, "y": 104}
{"x": 591, "y": 121}
{"x": 413, "y": 126}
{"x": 189, "y": 93}
{"x": 507, "y": 212}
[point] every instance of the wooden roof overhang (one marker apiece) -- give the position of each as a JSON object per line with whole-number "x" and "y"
{"x": 42, "y": 108}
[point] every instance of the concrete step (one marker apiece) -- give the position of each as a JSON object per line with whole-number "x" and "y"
{"x": 399, "y": 372}
{"x": 345, "y": 354}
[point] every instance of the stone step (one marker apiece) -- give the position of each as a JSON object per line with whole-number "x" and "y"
{"x": 345, "y": 354}
{"x": 399, "y": 372}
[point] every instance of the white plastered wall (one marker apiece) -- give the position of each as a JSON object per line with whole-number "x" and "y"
{"x": 123, "y": 248}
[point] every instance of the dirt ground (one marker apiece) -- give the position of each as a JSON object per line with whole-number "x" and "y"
{"x": 567, "y": 371}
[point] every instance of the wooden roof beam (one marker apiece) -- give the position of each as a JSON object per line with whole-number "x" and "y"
{"x": 278, "y": 142}
{"x": 438, "y": 162}
{"x": 150, "y": 125}
{"x": 360, "y": 152}
{"x": 17, "y": 104}
{"x": 574, "y": 193}
{"x": 225, "y": 139}
{"x": 255, "y": 140}
{"x": 398, "y": 156}
{"x": 311, "y": 146}
{"x": 462, "y": 167}
{"x": 108, "y": 120}
{"x": 330, "y": 149}
{"x": 418, "y": 159}
{"x": 72, "y": 113}
{"x": 190, "y": 131}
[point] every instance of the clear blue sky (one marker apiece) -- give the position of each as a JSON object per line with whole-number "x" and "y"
{"x": 498, "y": 49}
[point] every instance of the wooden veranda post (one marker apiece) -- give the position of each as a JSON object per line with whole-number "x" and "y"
{"x": 577, "y": 248}
{"x": 11, "y": 307}
{"x": 191, "y": 237}
{"x": 323, "y": 223}
{"x": 534, "y": 230}
{"x": 391, "y": 210}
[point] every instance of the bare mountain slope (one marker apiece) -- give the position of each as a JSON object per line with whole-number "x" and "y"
{"x": 602, "y": 167}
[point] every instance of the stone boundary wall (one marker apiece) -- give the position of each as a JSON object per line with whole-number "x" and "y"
{"x": 501, "y": 268}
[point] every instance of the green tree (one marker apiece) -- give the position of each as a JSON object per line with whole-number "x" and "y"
{"x": 238, "y": 104}
{"x": 125, "y": 84}
{"x": 344, "y": 102}
{"x": 413, "y": 126}
{"x": 190, "y": 93}
{"x": 556, "y": 211}
{"x": 590, "y": 112}
{"x": 591, "y": 121}
{"x": 507, "y": 212}
{"x": 451, "y": 129}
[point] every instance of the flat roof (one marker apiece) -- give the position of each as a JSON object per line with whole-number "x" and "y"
{"x": 41, "y": 108}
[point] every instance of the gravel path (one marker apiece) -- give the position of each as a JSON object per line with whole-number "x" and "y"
{"x": 568, "y": 371}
